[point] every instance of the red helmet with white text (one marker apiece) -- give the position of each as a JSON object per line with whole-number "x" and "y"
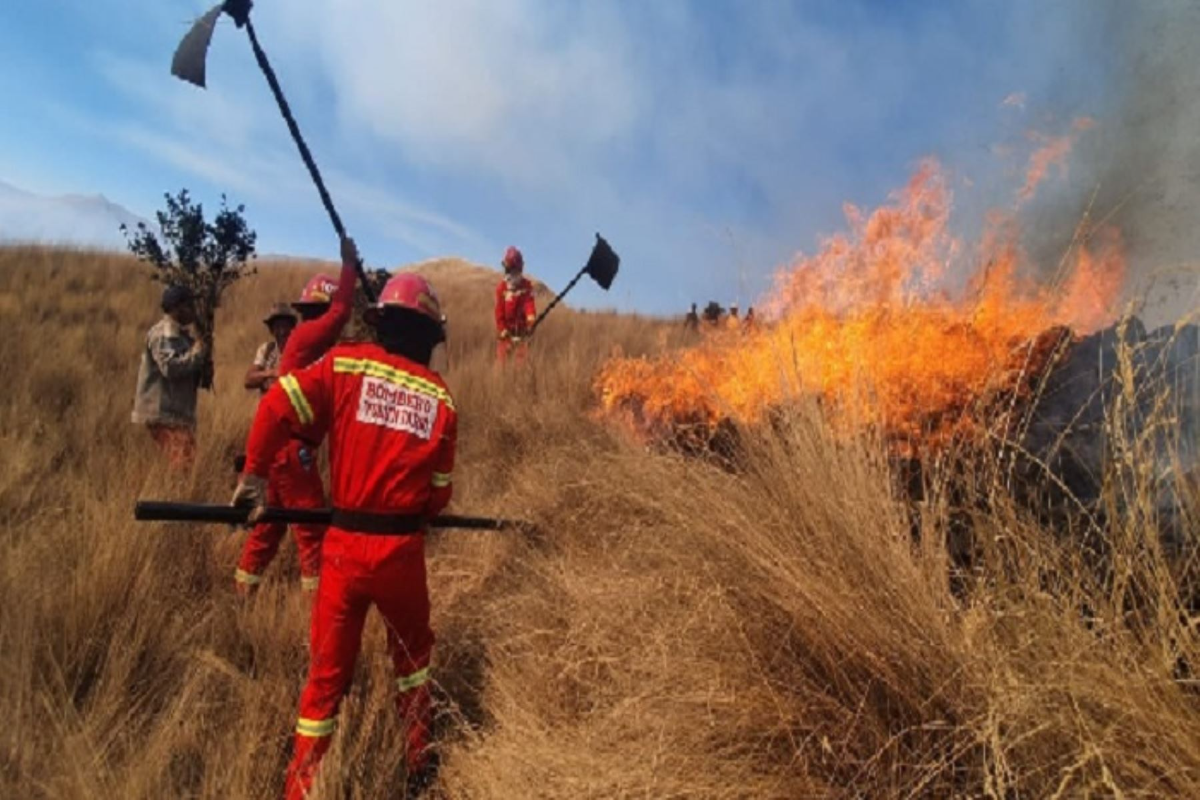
{"x": 318, "y": 291}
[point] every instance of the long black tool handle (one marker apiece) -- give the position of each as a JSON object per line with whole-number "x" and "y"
{"x": 159, "y": 511}
{"x": 261, "y": 57}
{"x": 556, "y": 300}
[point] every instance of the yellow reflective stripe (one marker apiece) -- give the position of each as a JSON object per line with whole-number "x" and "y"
{"x": 249, "y": 578}
{"x": 410, "y": 682}
{"x": 299, "y": 401}
{"x": 376, "y": 369}
{"x": 440, "y": 480}
{"x": 309, "y": 582}
{"x": 315, "y": 728}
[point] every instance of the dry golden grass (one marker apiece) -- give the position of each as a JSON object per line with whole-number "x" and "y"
{"x": 674, "y": 630}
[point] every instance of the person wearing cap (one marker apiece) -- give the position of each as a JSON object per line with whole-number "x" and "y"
{"x": 392, "y": 429}
{"x": 173, "y": 361}
{"x": 264, "y": 370}
{"x": 325, "y": 306}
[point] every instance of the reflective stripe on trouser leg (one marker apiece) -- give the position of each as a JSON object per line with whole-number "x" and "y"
{"x": 406, "y": 683}
{"x": 309, "y": 583}
{"x": 248, "y": 578}
{"x": 316, "y": 728}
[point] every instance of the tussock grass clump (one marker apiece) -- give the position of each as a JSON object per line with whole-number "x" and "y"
{"x": 674, "y": 629}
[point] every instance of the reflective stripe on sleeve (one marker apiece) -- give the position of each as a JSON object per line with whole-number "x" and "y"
{"x": 299, "y": 402}
{"x": 409, "y": 682}
{"x": 377, "y": 369}
{"x": 316, "y": 728}
{"x": 440, "y": 480}
{"x": 309, "y": 583}
{"x": 248, "y": 578}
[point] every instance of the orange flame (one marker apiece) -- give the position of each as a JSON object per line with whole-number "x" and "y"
{"x": 1053, "y": 153}
{"x": 866, "y": 326}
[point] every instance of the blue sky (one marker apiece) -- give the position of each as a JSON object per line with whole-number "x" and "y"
{"x": 708, "y": 141}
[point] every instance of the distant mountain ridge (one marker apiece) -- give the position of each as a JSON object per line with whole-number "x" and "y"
{"x": 70, "y": 219}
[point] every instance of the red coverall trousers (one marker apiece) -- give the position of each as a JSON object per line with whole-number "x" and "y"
{"x": 294, "y": 482}
{"x": 358, "y": 571}
{"x": 177, "y": 442}
{"x": 517, "y": 349}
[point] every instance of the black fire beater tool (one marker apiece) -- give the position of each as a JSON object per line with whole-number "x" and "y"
{"x": 158, "y": 511}
{"x": 601, "y": 267}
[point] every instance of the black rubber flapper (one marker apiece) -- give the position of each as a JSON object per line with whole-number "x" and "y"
{"x": 601, "y": 267}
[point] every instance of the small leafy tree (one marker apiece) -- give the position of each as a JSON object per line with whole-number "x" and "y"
{"x": 206, "y": 257}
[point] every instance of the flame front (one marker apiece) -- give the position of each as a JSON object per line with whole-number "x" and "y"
{"x": 869, "y": 326}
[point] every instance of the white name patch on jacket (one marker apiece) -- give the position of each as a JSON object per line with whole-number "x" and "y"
{"x": 397, "y": 407}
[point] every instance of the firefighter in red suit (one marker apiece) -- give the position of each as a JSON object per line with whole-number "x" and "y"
{"x": 325, "y": 306}
{"x": 515, "y": 311}
{"x": 392, "y": 428}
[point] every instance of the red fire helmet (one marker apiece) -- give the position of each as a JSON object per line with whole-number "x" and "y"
{"x": 513, "y": 261}
{"x": 318, "y": 291}
{"x": 409, "y": 290}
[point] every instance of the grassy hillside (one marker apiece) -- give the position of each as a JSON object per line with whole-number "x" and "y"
{"x": 674, "y": 630}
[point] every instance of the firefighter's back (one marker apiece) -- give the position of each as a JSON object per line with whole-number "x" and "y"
{"x": 392, "y": 421}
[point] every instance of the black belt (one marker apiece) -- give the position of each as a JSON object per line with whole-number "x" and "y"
{"x": 377, "y": 524}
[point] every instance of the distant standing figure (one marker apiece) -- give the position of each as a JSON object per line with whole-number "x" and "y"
{"x": 692, "y": 321}
{"x": 750, "y": 322}
{"x": 733, "y": 322}
{"x": 712, "y": 313}
{"x": 173, "y": 361}
{"x": 264, "y": 371}
{"x": 515, "y": 309}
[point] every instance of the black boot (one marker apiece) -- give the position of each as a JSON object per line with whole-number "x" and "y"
{"x": 418, "y": 782}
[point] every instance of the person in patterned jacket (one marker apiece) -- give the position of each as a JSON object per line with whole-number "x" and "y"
{"x": 264, "y": 370}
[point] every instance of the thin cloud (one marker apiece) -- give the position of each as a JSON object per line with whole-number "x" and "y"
{"x": 1015, "y": 100}
{"x": 218, "y": 136}
{"x": 514, "y": 90}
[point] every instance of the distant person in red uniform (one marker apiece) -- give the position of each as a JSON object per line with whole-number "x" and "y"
{"x": 515, "y": 309}
{"x": 325, "y": 306}
{"x": 392, "y": 429}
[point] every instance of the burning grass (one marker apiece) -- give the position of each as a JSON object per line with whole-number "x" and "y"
{"x": 676, "y": 630}
{"x": 868, "y": 326}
